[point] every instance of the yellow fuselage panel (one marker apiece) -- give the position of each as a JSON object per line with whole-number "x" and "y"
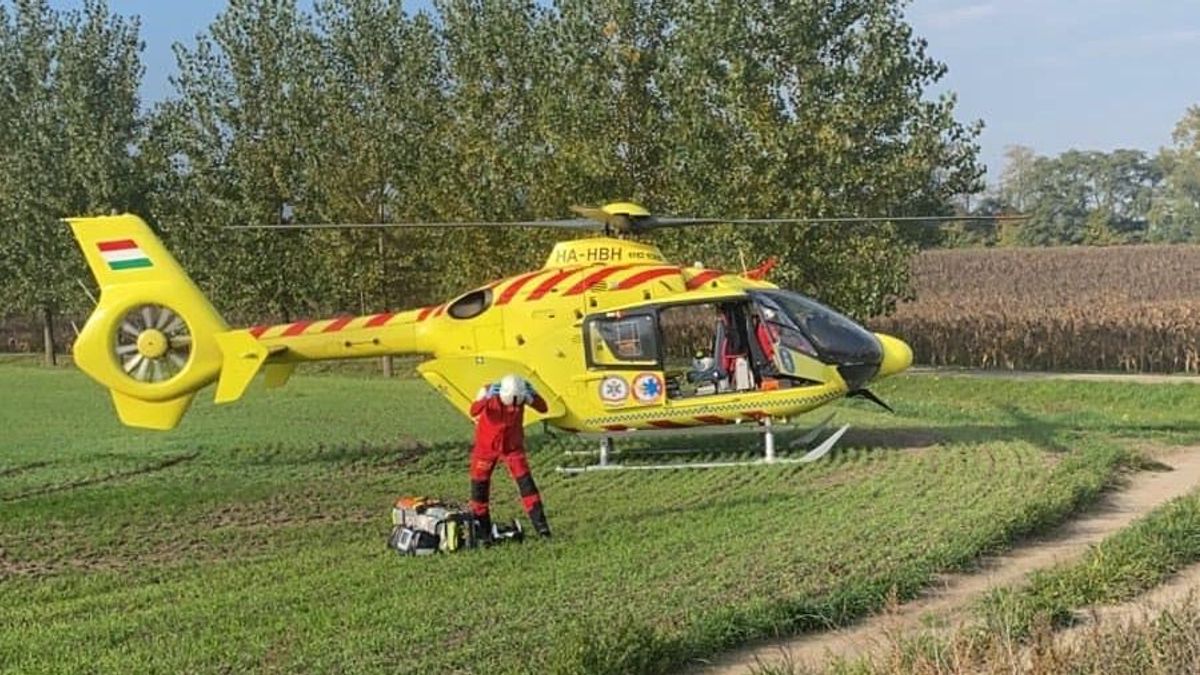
{"x": 534, "y": 325}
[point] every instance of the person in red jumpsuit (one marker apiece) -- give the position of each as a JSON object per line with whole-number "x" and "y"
{"x": 499, "y": 410}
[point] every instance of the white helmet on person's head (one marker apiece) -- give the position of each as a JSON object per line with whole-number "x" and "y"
{"x": 512, "y": 389}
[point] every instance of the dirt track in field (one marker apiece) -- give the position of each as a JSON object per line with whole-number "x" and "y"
{"x": 948, "y": 601}
{"x": 1145, "y": 606}
{"x": 1139, "y": 378}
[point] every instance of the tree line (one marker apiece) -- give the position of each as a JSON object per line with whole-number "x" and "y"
{"x": 360, "y": 111}
{"x": 1091, "y": 197}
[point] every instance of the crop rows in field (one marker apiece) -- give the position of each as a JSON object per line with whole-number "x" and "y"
{"x": 252, "y": 538}
{"x": 1127, "y": 308}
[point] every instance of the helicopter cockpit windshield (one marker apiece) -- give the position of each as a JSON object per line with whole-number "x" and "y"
{"x": 793, "y": 322}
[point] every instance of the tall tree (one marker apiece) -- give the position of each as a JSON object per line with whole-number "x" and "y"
{"x": 1079, "y": 197}
{"x": 68, "y": 118}
{"x": 1016, "y": 187}
{"x": 761, "y": 108}
{"x": 499, "y": 59}
{"x": 823, "y": 113}
{"x": 241, "y": 136}
{"x": 496, "y": 110}
{"x": 380, "y": 148}
{"x": 1176, "y": 217}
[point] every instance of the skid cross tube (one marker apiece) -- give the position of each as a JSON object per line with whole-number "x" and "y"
{"x": 713, "y": 430}
{"x": 767, "y": 428}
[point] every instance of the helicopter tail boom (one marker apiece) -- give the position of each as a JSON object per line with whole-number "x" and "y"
{"x": 154, "y": 339}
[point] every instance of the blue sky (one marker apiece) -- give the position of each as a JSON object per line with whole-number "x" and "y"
{"x": 1059, "y": 74}
{"x": 1050, "y": 74}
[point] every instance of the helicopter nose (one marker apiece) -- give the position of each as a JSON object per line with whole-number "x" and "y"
{"x": 897, "y": 355}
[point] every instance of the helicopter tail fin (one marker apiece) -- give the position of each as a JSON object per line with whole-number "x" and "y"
{"x": 152, "y": 338}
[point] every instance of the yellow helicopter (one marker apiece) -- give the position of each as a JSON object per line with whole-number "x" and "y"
{"x": 616, "y": 338}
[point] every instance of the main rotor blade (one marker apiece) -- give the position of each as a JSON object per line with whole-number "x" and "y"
{"x": 666, "y": 221}
{"x": 872, "y": 219}
{"x": 620, "y": 222}
{"x": 568, "y": 223}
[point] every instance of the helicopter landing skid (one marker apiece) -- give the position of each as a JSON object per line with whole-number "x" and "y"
{"x": 769, "y": 457}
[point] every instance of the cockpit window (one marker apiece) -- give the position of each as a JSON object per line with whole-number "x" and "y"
{"x": 629, "y": 341}
{"x": 835, "y": 337}
{"x": 471, "y": 305}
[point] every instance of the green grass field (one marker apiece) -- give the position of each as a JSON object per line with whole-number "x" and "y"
{"x": 252, "y": 537}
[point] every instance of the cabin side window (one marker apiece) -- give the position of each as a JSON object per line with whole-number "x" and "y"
{"x": 622, "y": 342}
{"x": 471, "y": 305}
{"x": 706, "y": 349}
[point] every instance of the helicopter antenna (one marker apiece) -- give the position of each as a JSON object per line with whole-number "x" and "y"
{"x": 87, "y": 291}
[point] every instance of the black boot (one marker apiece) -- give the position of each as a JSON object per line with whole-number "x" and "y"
{"x": 483, "y": 530}
{"x": 537, "y": 515}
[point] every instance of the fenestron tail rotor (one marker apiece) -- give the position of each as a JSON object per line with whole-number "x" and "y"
{"x": 153, "y": 343}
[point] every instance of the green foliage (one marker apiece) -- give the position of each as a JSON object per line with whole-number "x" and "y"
{"x": 68, "y": 117}
{"x": 1088, "y": 197}
{"x": 1078, "y": 197}
{"x": 1176, "y": 216}
{"x": 238, "y": 146}
{"x": 362, "y": 111}
{"x": 499, "y": 111}
{"x": 737, "y": 108}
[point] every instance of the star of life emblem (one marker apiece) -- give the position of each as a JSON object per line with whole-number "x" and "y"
{"x": 613, "y": 390}
{"x": 648, "y": 387}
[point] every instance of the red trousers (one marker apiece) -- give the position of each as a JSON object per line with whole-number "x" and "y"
{"x": 483, "y": 461}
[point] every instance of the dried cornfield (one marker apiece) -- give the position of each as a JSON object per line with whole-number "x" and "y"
{"x": 1126, "y": 308}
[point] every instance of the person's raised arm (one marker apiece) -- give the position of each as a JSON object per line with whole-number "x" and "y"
{"x": 535, "y": 399}
{"x": 486, "y": 393}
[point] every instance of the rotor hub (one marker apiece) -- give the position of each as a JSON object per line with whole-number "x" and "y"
{"x": 152, "y": 344}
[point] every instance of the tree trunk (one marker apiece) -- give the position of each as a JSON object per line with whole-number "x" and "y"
{"x": 48, "y": 336}
{"x": 385, "y": 362}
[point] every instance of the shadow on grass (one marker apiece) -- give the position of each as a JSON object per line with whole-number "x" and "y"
{"x": 1039, "y": 433}
{"x": 1043, "y": 432}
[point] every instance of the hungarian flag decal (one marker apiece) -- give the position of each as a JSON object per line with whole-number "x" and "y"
{"x": 123, "y": 254}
